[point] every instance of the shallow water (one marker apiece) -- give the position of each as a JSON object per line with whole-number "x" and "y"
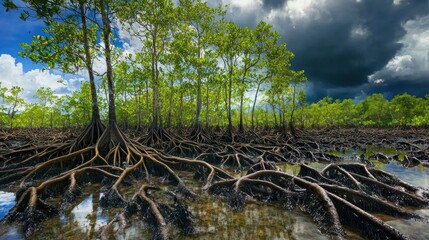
{"x": 418, "y": 176}
{"x": 214, "y": 219}
{"x": 7, "y": 201}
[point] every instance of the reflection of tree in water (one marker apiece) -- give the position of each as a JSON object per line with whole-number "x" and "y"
{"x": 88, "y": 215}
{"x": 82, "y": 222}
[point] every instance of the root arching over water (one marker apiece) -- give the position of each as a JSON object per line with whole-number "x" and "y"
{"x": 342, "y": 194}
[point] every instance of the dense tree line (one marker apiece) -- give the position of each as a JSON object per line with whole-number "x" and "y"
{"x": 74, "y": 110}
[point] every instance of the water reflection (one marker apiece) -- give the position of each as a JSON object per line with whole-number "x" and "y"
{"x": 413, "y": 229}
{"x": 83, "y": 221}
{"x": 257, "y": 221}
{"x": 7, "y": 201}
{"x": 84, "y": 214}
{"x": 12, "y": 233}
{"x": 215, "y": 219}
{"x": 418, "y": 175}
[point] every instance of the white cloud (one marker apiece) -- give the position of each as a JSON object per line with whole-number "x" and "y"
{"x": 401, "y": 65}
{"x": 248, "y": 4}
{"x": 12, "y": 74}
{"x": 412, "y": 61}
{"x": 300, "y": 10}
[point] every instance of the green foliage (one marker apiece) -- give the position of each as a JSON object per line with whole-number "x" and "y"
{"x": 193, "y": 67}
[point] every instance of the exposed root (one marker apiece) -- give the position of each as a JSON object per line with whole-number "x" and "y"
{"x": 339, "y": 195}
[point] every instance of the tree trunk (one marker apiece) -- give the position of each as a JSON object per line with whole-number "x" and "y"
{"x": 109, "y": 72}
{"x": 199, "y": 102}
{"x": 138, "y": 108}
{"x": 147, "y": 99}
{"x": 229, "y": 101}
{"x": 125, "y": 112}
{"x": 254, "y": 103}
{"x": 155, "y": 98}
{"x": 180, "y": 122}
{"x": 207, "y": 106}
{"x": 170, "y": 109}
{"x": 88, "y": 64}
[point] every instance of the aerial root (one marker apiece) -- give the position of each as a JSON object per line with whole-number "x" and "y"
{"x": 112, "y": 198}
{"x": 306, "y": 171}
{"x": 73, "y": 191}
{"x": 390, "y": 193}
{"x": 336, "y": 173}
{"x": 314, "y": 200}
{"x": 367, "y": 202}
{"x": 156, "y": 137}
{"x": 329, "y": 202}
{"x": 262, "y": 165}
{"x": 390, "y": 179}
{"x": 200, "y": 135}
{"x": 159, "y": 216}
{"x": 363, "y": 222}
{"x": 31, "y": 209}
{"x": 89, "y": 136}
{"x": 371, "y": 181}
{"x": 336, "y": 196}
{"x": 108, "y": 230}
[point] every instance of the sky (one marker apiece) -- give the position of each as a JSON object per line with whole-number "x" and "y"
{"x": 347, "y": 48}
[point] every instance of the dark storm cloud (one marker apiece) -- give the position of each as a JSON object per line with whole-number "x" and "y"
{"x": 348, "y": 41}
{"x": 339, "y": 43}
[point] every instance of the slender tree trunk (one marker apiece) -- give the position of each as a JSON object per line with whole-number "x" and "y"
{"x": 43, "y": 113}
{"x": 180, "y": 122}
{"x": 199, "y": 97}
{"x": 147, "y": 99}
{"x": 207, "y": 105}
{"x": 51, "y": 119}
{"x": 229, "y": 101}
{"x": 88, "y": 64}
{"x": 170, "y": 109}
{"x": 199, "y": 101}
{"x": 241, "y": 127}
{"x": 137, "y": 94}
{"x": 291, "y": 121}
{"x": 266, "y": 116}
{"x": 12, "y": 113}
{"x": 293, "y": 104}
{"x": 125, "y": 112}
{"x": 274, "y": 113}
{"x": 254, "y": 103}
{"x": 217, "y": 107}
{"x": 154, "y": 69}
{"x": 109, "y": 72}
